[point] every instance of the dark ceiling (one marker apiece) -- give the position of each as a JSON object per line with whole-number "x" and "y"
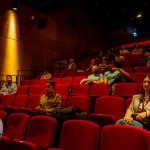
{"x": 112, "y": 14}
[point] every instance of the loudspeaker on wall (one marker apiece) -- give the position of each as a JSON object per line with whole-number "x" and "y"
{"x": 42, "y": 23}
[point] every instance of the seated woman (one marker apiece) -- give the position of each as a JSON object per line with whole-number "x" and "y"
{"x": 103, "y": 65}
{"x": 50, "y": 103}
{"x": 137, "y": 49}
{"x": 124, "y": 50}
{"x": 93, "y": 78}
{"x": 46, "y": 75}
{"x": 139, "y": 108}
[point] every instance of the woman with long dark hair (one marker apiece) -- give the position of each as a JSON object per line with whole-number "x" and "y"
{"x": 139, "y": 108}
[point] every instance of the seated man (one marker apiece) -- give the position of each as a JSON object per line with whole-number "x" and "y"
{"x": 113, "y": 74}
{"x": 9, "y": 87}
{"x": 93, "y": 78}
{"x": 50, "y": 103}
{"x": 71, "y": 64}
{"x": 93, "y": 62}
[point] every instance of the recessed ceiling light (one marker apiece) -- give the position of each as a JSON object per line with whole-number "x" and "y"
{"x": 32, "y": 17}
{"x": 139, "y": 16}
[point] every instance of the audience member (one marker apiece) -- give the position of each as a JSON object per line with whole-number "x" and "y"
{"x": 100, "y": 55}
{"x": 9, "y": 87}
{"x": 145, "y": 57}
{"x": 50, "y": 103}
{"x": 93, "y": 78}
{"x": 148, "y": 61}
{"x": 124, "y": 50}
{"x": 103, "y": 65}
{"x": 139, "y": 108}
{"x": 137, "y": 49}
{"x": 93, "y": 62}
{"x": 71, "y": 64}
{"x": 110, "y": 54}
{"x": 46, "y": 75}
{"x": 114, "y": 75}
{"x": 111, "y": 76}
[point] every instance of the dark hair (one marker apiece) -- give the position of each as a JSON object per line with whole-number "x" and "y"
{"x": 110, "y": 62}
{"x": 50, "y": 81}
{"x": 9, "y": 76}
{"x": 142, "y": 91}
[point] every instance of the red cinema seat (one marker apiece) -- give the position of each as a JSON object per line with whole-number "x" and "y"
{"x": 77, "y": 79}
{"x": 22, "y": 90}
{"x": 64, "y": 101}
{"x": 34, "y": 89}
{"x": 120, "y": 137}
{"x": 80, "y": 89}
{"x": 7, "y": 100}
{"x": 57, "y": 80}
{"x": 67, "y": 80}
{"x": 33, "y": 101}
{"x": 128, "y": 102}
{"x": 16, "y": 127}
{"x": 125, "y": 90}
{"x": 102, "y": 119}
{"x": 33, "y": 82}
{"x": 83, "y": 102}
{"x": 20, "y": 101}
{"x": 40, "y": 134}
{"x": 42, "y": 82}
{"x": 62, "y": 89}
{"x": 142, "y": 69}
{"x": 110, "y": 105}
{"x": 79, "y": 135}
{"x": 137, "y": 77}
{"x": 24, "y": 82}
{"x": 3, "y": 115}
{"x": 100, "y": 90}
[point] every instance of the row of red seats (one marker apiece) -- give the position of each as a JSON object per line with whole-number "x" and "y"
{"x": 129, "y": 69}
{"x": 76, "y": 77}
{"x": 135, "y": 77}
{"x": 25, "y": 132}
{"x": 110, "y": 105}
{"x": 38, "y": 133}
{"x": 121, "y": 89}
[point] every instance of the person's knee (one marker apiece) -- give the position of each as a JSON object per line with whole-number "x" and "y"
{"x": 136, "y": 123}
{"x": 121, "y": 121}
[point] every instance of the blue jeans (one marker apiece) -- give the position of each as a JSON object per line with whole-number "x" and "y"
{"x": 134, "y": 123}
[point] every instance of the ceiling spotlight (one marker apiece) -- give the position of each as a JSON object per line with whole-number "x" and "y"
{"x": 32, "y": 17}
{"x": 14, "y": 5}
{"x": 139, "y": 16}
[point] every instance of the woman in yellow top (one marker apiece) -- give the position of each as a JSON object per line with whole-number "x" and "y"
{"x": 137, "y": 49}
{"x": 46, "y": 75}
